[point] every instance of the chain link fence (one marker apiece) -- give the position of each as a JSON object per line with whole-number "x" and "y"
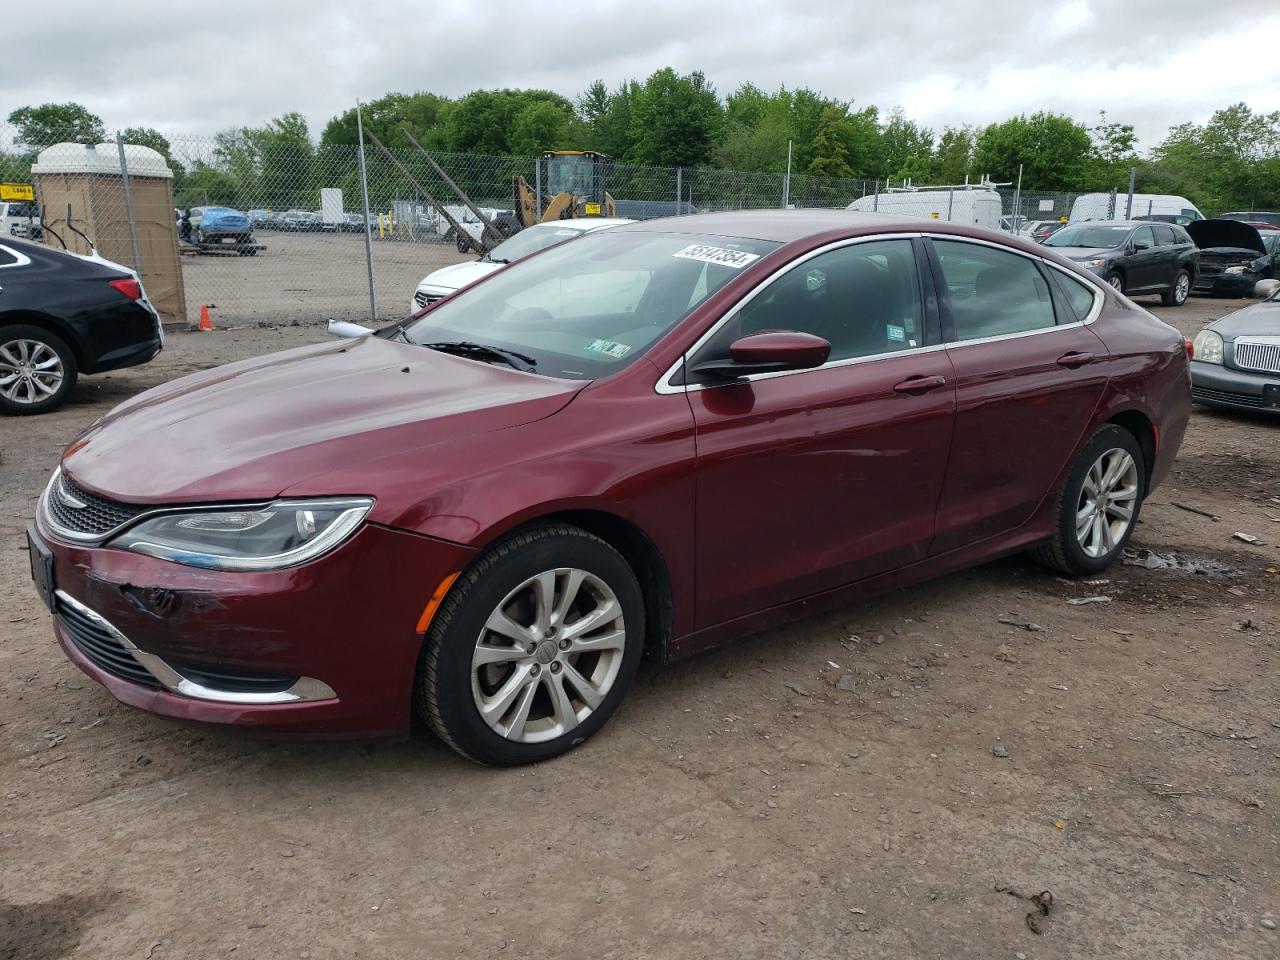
{"x": 268, "y": 230}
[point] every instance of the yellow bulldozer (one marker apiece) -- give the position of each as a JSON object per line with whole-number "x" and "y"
{"x": 572, "y": 186}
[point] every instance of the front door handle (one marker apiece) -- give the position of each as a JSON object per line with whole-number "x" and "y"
{"x": 919, "y": 384}
{"x": 1075, "y": 359}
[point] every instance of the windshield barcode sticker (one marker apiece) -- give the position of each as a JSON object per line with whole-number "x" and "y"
{"x": 737, "y": 259}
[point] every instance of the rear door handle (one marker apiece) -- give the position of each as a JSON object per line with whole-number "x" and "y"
{"x": 920, "y": 384}
{"x": 1075, "y": 359}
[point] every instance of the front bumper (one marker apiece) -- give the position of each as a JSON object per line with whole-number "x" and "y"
{"x": 1220, "y": 386}
{"x": 343, "y": 628}
{"x": 1227, "y": 284}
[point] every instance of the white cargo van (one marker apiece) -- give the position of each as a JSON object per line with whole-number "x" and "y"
{"x": 1146, "y": 206}
{"x": 20, "y": 219}
{"x": 980, "y": 208}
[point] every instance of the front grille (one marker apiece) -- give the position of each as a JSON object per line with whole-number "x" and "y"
{"x": 97, "y": 516}
{"x": 100, "y": 646}
{"x": 1224, "y": 396}
{"x": 1258, "y": 355}
{"x": 423, "y": 299}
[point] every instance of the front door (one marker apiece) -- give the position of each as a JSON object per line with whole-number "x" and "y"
{"x": 1029, "y": 373}
{"x": 812, "y": 479}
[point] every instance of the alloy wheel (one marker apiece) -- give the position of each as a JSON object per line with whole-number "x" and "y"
{"x": 548, "y": 655}
{"x": 1181, "y": 288}
{"x": 30, "y": 371}
{"x": 1116, "y": 282}
{"x": 1107, "y": 501}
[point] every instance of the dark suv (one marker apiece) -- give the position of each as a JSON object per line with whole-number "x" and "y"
{"x": 1133, "y": 256}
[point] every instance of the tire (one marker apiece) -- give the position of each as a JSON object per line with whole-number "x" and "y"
{"x": 33, "y": 360}
{"x": 197, "y": 236}
{"x": 462, "y": 245}
{"x": 1082, "y": 554}
{"x": 1116, "y": 280}
{"x": 1178, "y": 291}
{"x": 529, "y": 723}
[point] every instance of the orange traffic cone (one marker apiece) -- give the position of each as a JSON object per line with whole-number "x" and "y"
{"x": 205, "y": 322}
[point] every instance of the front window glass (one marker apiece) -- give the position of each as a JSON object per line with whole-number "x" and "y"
{"x": 589, "y": 308}
{"x": 1145, "y": 236}
{"x": 1089, "y": 235}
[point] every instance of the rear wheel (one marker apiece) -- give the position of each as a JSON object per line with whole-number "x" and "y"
{"x": 1178, "y": 292}
{"x": 1099, "y": 504}
{"x": 533, "y": 648}
{"x": 462, "y": 245}
{"x": 37, "y": 370}
{"x": 1116, "y": 280}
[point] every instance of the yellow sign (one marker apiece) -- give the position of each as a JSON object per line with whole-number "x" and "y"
{"x": 16, "y": 191}
{"x": 1062, "y": 219}
{"x": 591, "y": 209}
{"x": 935, "y": 215}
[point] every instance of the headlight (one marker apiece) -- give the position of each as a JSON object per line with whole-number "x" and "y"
{"x": 1207, "y": 347}
{"x": 1237, "y": 269}
{"x": 281, "y": 534}
{"x": 1096, "y": 262}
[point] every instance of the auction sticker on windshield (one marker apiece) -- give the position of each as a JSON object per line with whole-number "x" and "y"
{"x": 609, "y": 348}
{"x": 737, "y": 259}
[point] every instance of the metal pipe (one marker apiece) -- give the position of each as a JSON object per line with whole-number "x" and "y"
{"x": 679, "y": 189}
{"x": 368, "y": 230}
{"x": 1133, "y": 177}
{"x": 128, "y": 203}
{"x": 786, "y": 182}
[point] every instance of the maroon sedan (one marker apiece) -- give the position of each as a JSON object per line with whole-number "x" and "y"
{"x": 645, "y": 442}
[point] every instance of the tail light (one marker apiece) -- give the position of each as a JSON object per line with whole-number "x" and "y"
{"x": 1191, "y": 349}
{"x": 130, "y": 287}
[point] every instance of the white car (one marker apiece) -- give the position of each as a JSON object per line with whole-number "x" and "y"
{"x": 529, "y": 240}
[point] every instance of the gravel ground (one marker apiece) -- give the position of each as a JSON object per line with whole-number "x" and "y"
{"x": 748, "y": 803}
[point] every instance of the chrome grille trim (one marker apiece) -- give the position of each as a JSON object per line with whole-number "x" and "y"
{"x": 1258, "y": 353}
{"x": 77, "y": 514}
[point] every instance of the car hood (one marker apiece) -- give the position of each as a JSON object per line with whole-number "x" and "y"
{"x": 1259, "y": 319}
{"x": 250, "y": 430}
{"x": 1216, "y": 234}
{"x": 1087, "y": 253}
{"x": 460, "y": 275}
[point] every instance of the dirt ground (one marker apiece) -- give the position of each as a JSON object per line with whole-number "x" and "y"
{"x": 748, "y": 803}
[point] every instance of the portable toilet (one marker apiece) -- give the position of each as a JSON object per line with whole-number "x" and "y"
{"x": 81, "y": 185}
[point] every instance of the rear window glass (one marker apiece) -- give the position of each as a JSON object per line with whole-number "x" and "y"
{"x": 1080, "y": 295}
{"x": 1165, "y": 235}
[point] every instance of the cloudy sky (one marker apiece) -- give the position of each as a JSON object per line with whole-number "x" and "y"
{"x": 194, "y": 68}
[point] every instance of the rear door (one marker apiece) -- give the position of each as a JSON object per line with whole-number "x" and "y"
{"x": 1171, "y": 252}
{"x": 1029, "y": 373}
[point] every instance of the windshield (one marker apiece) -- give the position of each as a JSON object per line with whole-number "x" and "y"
{"x": 532, "y": 240}
{"x": 1269, "y": 238}
{"x": 589, "y": 308}
{"x": 1089, "y": 235}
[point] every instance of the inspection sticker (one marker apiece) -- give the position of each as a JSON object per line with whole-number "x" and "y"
{"x": 894, "y": 332}
{"x": 609, "y": 348}
{"x": 725, "y": 258}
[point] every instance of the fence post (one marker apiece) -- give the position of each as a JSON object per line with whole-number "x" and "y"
{"x": 951, "y": 197}
{"x": 128, "y": 203}
{"x": 786, "y": 182}
{"x": 875, "y": 198}
{"x": 537, "y": 185}
{"x": 1133, "y": 176}
{"x": 364, "y": 201}
{"x": 679, "y": 190}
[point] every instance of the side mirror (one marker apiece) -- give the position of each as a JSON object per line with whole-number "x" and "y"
{"x": 769, "y": 352}
{"x": 1265, "y": 289}
{"x": 1140, "y": 246}
{"x": 351, "y": 331}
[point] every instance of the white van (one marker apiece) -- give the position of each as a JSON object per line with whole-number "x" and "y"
{"x": 980, "y": 208}
{"x": 20, "y": 219}
{"x": 1146, "y": 206}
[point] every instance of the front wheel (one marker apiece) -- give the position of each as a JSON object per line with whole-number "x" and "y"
{"x": 1178, "y": 291}
{"x": 37, "y": 370}
{"x": 1116, "y": 280}
{"x": 1099, "y": 505}
{"x": 462, "y": 245}
{"x": 533, "y": 648}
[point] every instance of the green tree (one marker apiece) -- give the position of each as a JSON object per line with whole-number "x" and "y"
{"x": 830, "y": 144}
{"x": 1233, "y": 161}
{"x": 484, "y": 121}
{"x": 423, "y": 114}
{"x": 906, "y": 149}
{"x": 953, "y": 159}
{"x": 537, "y": 127}
{"x": 675, "y": 120}
{"x": 157, "y": 141}
{"x": 52, "y": 123}
{"x": 207, "y": 186}
{"x": 1052, "y": 150}
{"x": 1112, "y": 152}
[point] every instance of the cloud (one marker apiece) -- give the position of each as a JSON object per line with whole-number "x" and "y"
{"x": 191, "y": 69}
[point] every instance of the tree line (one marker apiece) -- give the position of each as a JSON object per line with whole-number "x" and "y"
{"x": 679, "y": 120}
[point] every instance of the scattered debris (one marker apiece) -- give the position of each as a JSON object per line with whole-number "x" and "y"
{"x": 857, "y": 911}
{"x": 1267, "y": 923}
{"x": 1207, "y": 733}
{"x": 1061, "y": 686}
{"x": 1042, "y": 901}
{"x": 152, "y": 949}
{"x": 1196, "y": 510}
{"x": 1026, "y": 625}
{"x": 1005, "y": 652}
{"x": 1253, "y": 802}
{"x": 1122, "y": 634}
{"x": 1060, "y": 824}
{"x": 1175, "y": 562}
{"x": 1248, "y": 538}
{"x": 1081, "y": 601}
{"x": 846, "y": 682}
{"x": 999, "y": 749}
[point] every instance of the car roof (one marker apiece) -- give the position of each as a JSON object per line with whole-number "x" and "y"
{"x": 781, "y": 226}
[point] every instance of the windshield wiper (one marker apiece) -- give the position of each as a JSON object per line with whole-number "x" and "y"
{"x": 467, "y": 348}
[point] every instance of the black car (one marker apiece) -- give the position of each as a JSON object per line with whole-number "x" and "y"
{"x": 1236, "y": 360}
{"x": 1133, "y": 256}
{"x": 1269, "y": 217}
{"x": 63, "y": 314}
{"x": 1234, "y": 256}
